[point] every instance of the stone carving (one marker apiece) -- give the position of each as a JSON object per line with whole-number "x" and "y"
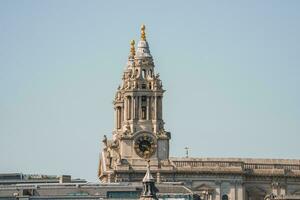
{"x": 270, "y": 197}
{"x": 161, "y": 132}
{"x": 157, "y": 76}
{"x": 118, "y": 96}
{"x": 275, "y": 184}
{"x": 108, "y": 158}
{"x": 104, "y": 141}
{"x": 116, "y": 151}
{"x": 127, "y": 129}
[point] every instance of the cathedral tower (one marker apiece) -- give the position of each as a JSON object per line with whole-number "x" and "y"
{"x": 139, "y": 132}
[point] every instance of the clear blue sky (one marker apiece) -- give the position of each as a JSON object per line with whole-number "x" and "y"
{"x": 231, "y": 70}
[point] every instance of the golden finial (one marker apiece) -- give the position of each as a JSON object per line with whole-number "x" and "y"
{"x": 132, "y": 49}
{"x": 143, "y": 34}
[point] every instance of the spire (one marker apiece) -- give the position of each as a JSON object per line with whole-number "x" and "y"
{"x": 148, "y": 177}
{"x": 130, "y": 62}
{"x": 143, "y": 47}
{"x": 143, "y": 34}
{"x": 149, "y": 189}
{"x": 132, "y": 49}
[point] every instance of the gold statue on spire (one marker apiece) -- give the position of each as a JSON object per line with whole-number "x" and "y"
{"x": 143, "y": 34}
{"x": 132, "y": 49}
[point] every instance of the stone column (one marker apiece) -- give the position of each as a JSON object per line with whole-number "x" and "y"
{"x": 148, "y": 108}
{"x": 133, "y": 107}
{"x": 233, "y": 191}
{"x": 140, "y": 107}
{"x": 161, "y": 108}
{"x": 218, "y": 190}
{"x": 121, "y": 115}
{"x": 152, "y": 108}
{"x": 129, "y": 100}
{"x": 125, "y": 108}
{"x": 155, "y": 107}
{"x": 240, "y": 190}
{"x": 116, "y": 118}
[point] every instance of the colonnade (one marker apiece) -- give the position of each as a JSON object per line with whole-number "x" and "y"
{"x": 138, "y": 108}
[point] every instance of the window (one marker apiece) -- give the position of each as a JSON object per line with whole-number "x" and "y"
{"x": 144, "y": 107}
{"x": 144, "y": 73}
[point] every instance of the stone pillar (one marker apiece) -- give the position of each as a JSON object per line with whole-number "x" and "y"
{"x": 140, "y": 107}
{"x": 115, "y": 118}
{"x": 158, "y": 180}
{"x": 232, "y": 192}
{"x": 119, "y": 117}
{"x": 155, "y": 107}
{"x": 161, "y": 108}
{"x": 218, "y": 190}
{"x": 152, "y": 108}
{"x": 125, "y": 108}
{"x": 122, "y": 115}
{"x": 137, "y": 107}
{"x": 148, "y": 108}
{"x": 129, "y": 100}
{"x": 133, "y": 107}
{"x": 239, "y": 190}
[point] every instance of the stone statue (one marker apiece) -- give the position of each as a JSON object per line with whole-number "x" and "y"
{"x": 104, "y": 141}
{"x": 114, "y": 146}
{"x": 108, "y": 158}
{"x": 127, "y": 129}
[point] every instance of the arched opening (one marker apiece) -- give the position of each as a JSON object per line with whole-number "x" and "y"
{"x": 150, "y": 73}
{"x": 225, "y": 197}
{"x": 144, "y": 73}
{"x": 136, "y": 73}
{"x": 144, "y": 107}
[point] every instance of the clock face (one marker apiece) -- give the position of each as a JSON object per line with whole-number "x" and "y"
{"x": 145, "y": 145}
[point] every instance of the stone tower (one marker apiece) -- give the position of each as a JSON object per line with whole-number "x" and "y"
{"x": 149, "y": 189}
{"x": 139, "y": 132}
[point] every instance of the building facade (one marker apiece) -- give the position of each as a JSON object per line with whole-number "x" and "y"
{"x": 139, "y": 134}
{"x": 44, "y": 187}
